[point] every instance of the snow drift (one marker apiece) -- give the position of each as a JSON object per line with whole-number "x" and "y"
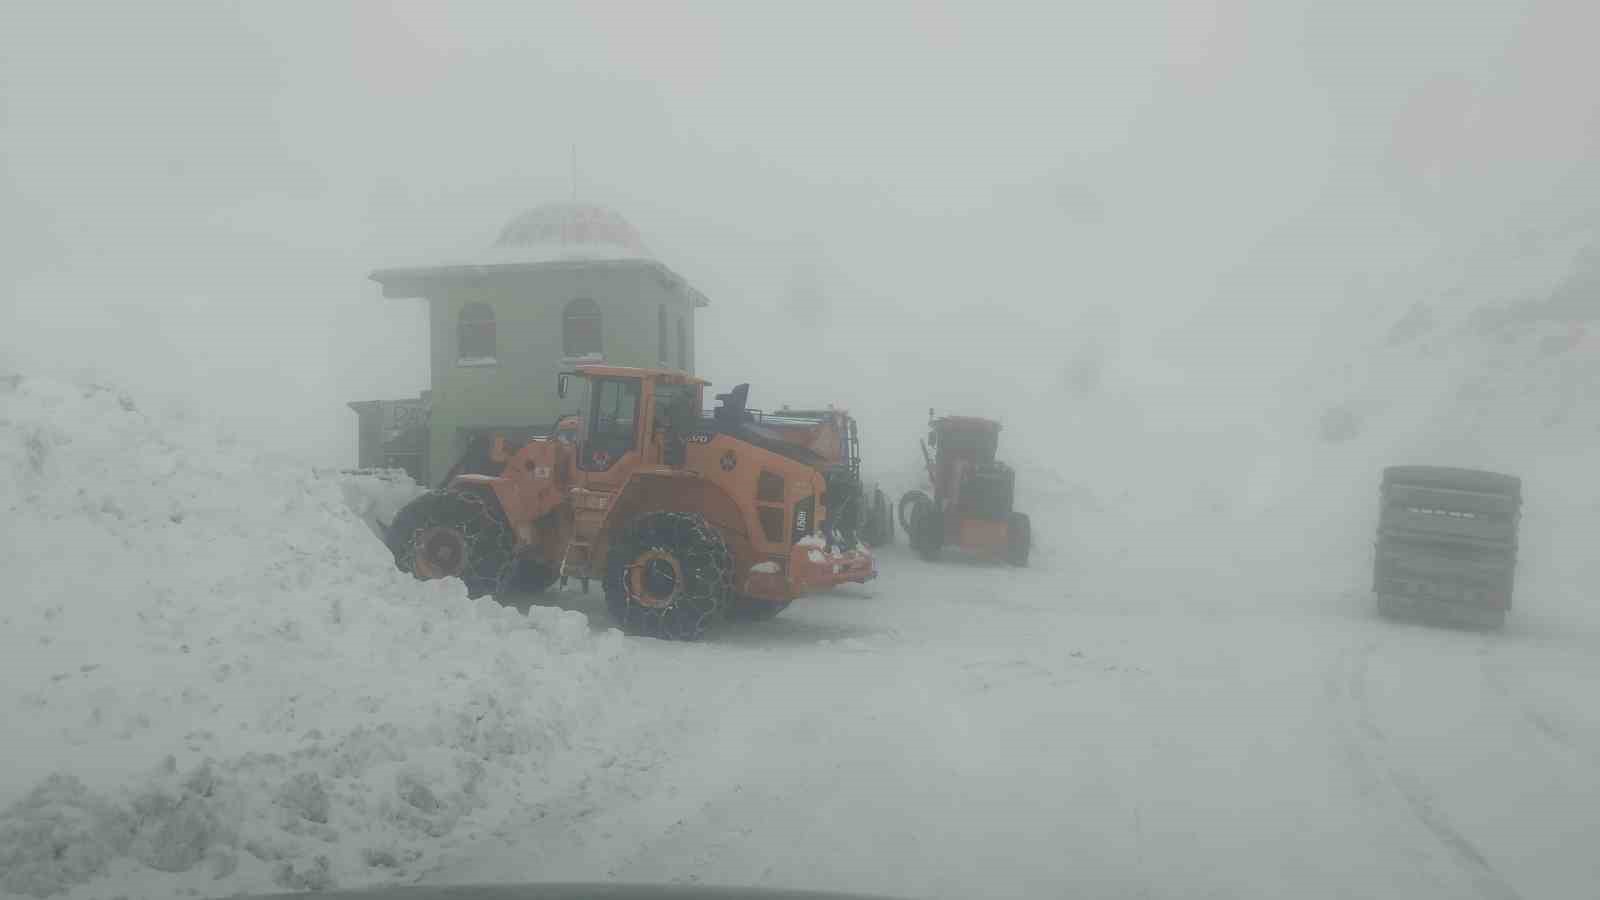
{"x": 214, "y": 680}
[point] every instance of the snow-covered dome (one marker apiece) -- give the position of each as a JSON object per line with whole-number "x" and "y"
{"x": 561, "y": 234}
{"x": 576, "y": 229}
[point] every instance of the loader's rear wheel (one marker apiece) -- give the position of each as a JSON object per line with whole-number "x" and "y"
{"x": 879, "y": 529}
{"x": 1019, "y": 539}
{"x": 926, "y": 528}
{"x": 669, "y": 576}
{"x": 461, "y": 534}
{"x": 903, "y": 511}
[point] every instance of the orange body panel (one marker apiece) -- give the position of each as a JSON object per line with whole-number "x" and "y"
{"x": 983, "y": 536}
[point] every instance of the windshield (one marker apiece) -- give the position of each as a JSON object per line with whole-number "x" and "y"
{"x": 676, "y": 406}
{"x": 1223, "y": 519}
{"x": 616, "y": 404}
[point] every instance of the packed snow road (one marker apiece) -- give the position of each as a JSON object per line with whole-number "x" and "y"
{"x": 961, "y": 730}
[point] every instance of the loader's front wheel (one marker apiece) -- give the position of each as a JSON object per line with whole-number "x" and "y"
{"x": 925, "y": 530}
{"x": 461, "y": 534}
{"x": 669, "y": 576}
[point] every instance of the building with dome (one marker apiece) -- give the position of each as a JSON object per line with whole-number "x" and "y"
{"x": 563, "y": 284}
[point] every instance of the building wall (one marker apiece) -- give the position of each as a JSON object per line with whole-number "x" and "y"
{"x": 519, "y": 390}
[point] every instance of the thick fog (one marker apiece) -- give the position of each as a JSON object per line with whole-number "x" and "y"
{"x": 1215, "y": 264}
{"x": 890, "y": 207}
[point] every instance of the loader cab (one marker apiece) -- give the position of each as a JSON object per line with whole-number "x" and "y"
{"x": 961, "y": 437}
{"x": 632, "y": 411}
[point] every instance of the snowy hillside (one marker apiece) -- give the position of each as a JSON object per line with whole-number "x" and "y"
{"x": 215, "y": 679}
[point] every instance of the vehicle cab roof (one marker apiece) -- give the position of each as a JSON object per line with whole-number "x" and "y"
{"x": 670, "y": 376}
{"x": 966, "y": 423}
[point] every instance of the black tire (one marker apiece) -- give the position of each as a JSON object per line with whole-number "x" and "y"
{"x": 670, "y": 576}
{"x": 485, "y": 540}
{"x": 1019, "y": 539}
{"x": 879, "y": 529}
{"x": 903, "y": 510}
{"x": 751, "y": 609}
{"x": 926, "y": 529}
{"x": 1454, "y": 479}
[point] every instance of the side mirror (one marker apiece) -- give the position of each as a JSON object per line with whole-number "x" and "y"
{"x": 561, "y": 384}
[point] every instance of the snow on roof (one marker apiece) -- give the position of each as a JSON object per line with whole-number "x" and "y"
{"x": 554, "y": 233}
{"x": 572, "y": 225}
{"x": 558, "y": 232}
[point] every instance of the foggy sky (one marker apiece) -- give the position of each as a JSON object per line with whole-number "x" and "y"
{"x": 193, "y": 193}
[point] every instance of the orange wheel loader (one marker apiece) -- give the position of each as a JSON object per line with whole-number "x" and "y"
{"x": 685, "y": 519}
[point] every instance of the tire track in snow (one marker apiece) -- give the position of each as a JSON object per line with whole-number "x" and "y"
{"x": 1364, "y": 750}
{"x": 1551, "y": 728}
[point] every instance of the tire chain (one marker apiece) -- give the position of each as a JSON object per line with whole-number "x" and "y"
{"x": 709, "y": 564}
{"x": 481, "y": 530}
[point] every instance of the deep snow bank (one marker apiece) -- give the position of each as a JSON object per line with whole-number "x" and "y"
{"x": 213, "y": 679}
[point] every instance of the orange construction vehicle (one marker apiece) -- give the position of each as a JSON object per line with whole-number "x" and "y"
{"x": 860, "y": 510}
{"x": 971, "y": 506}
{"x": 686, "y": 519}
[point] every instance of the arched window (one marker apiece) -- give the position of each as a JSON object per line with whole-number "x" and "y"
{"x": 580, "y": 329}
{"x": 661, "y": 335}
{"x": 475, "y": 332}
{"x": 683, "y": 347}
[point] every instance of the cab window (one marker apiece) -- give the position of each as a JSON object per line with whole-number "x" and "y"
{"x": 675, "y": 404}
{"x": 616, "y": 405}
{"x": 613, "y": 414}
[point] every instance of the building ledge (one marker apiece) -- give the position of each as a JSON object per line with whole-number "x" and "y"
{"x": 476, "y": 362}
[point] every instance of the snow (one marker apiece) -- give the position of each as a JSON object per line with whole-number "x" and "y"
{"x": 1186, "y": 694}
{"x": 215, "y": 680}
{"x": 812, "y": 540}
{"x": 376, "y": 495}
{"x": 552, "y": 233}
{"x": 541, "y": 254}
{"x": 765, "y": 568}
